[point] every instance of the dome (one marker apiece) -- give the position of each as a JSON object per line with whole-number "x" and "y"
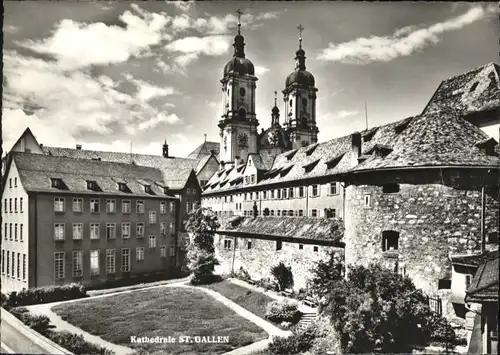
{"x": 273, "y": 137}
{"x": 301, "y": 78}
{"x": 239, "y": 65}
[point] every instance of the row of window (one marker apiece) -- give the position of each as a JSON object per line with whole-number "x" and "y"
{"x": 14, "y": 230}
{"x": 95, "y": 230}
{"x": 77, "y": 261}
{"x": 59, "y": 206}
{"x": 250, "y": 244}
{"x": 331, "y": 213}
{"x": 9, "y": 262}
{"x": 10, "y": 182}
{"x": 190, "y": 206}
{"x": 279, "y": 194}
{"x": 16, "y": 208}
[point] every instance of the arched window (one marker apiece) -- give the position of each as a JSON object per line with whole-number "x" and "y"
{"x": 291, "y": 103}
{"x": 242, "y": 91}
{"x": 304, "y": 102}
{"x": 390, "y": 240}
{"x": 242, "y": 113}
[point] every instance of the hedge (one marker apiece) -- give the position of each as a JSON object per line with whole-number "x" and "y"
{"x": 43, "y": 295}
{"x": 139, "y": 279}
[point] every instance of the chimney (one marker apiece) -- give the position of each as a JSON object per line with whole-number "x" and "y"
{"x": 355, "y": 148}
{"x": 79, "y": 147}
{"x": 41, "y": 145}
{"x": 165, "y": 149}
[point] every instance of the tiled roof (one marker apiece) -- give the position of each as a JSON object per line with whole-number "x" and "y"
{"x": 175, "y": 170}
{"x": 473, "y": 260}
{"x": 474, "y": 91}
{"x": 37, "y": 170}
{"x": 262, "y": 161}
{"x": 484, "y": 285}
{"x": 202, "y": 162}
{"x": 204, "y": 149}
{"x": 325, "y": 229}
{"x": 434, "y": 139}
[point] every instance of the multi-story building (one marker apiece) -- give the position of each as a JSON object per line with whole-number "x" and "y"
{"x": 78, "y": 220}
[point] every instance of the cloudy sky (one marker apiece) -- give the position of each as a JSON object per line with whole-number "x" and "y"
{"x": 108, "y": 74}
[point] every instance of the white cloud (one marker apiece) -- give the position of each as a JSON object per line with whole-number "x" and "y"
{"x": 403, "y": 42}
{"x": 209, "y": 45}
{"x": 160, "y": 118}
{"x": 260, "y": 70}
{"x": 147, "y": 91}
{"x": 77, "y": 45}
{"x": 184, "y": 6}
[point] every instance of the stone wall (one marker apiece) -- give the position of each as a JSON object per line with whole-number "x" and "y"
{"x": 262, "y": 256}
{"x": 435, "y": 212}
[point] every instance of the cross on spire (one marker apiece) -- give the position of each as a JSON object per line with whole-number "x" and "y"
{"x": 205, "y": 137}
{"x": 275, "y": 96}
{"x": 300, "y": 28}
{"x": 239, "y": 12}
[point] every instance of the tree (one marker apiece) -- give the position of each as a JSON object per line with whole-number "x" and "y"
{"x": 283, "y": 276}
{"x": 201, "y": 225}
{"x": 376, "y": 310}
{"x": 325, "y": 273}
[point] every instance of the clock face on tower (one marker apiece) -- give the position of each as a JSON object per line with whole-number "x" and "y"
{"x": 243, "y": 140}
{"x": 304, "y": 143}
{"x": 273, "y": 138}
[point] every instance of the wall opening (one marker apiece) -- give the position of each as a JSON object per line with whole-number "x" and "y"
{"x": 279, "y": 245}
{"x": 390, "y": 188}
{"x": 227, "y": 244}
{"x": 390, "y": 240}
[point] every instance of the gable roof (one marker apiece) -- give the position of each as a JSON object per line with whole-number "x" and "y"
{"x": 467, "y": 93}
{"x": 204, "y": 161}
{"x": 204, "y": 149}
{"x": 484, "y": 285}
{"x": 175, "y": 170}
{"x": 37, "y": 170}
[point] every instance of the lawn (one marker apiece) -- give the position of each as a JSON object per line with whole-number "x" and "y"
{"x": 252, "y": 301}
{"x": 164, "y": 312}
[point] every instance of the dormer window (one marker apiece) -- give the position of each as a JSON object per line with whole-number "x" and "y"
{"x": 309, "y": 167}
{"x": 166, "y": 190}
{"x": 473, "y": 87}
{"x": 487, "y": 146}
{"x": 369, "y": 135}
{"x": 311, "y": 150}
{"x": 291, "y": 154}
{"x": 333, "y": 162}
{"x": 147, "y": 189}
{"x": 56, "y": 183}
{"x": 122, "y": 187}
{"x": 91, "y": 185}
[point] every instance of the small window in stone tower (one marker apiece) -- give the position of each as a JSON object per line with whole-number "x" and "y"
{"x": 390, "y": 188}
{"x": 242, "y": 113}
{"x": 367, "y": 200}
{"x": 492, "y": 238}
{"x": 291, "y": 102}
{"x": 304, "y": 102}
{"x": 242, "y": 92}
{"x": 390, "y": 240}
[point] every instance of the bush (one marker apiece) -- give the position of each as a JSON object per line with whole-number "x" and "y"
{"x": 441, "y": 331}
{"x": 43, "y": 295}
{"x": 283, "y": 276}
{"x": 76, "y": 343}
{"x": 140, "y": 279}
{"x": 285, "y": 311}
{"x": 298, "y": 342}
{"x": 40, "y": 324}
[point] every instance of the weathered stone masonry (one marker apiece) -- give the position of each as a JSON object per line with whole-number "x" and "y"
{"x": 436, "y": 212}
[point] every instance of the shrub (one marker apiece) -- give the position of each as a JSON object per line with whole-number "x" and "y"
{"x": 298, "y": 342}
{"x": 283, "y": 276}
{"x": 284, "y": 311}
{"x": 40, "y": 324}
{"x": 76, "y": 343}
{"x": 441, "y": 331}
{"x": 43, "y": 295}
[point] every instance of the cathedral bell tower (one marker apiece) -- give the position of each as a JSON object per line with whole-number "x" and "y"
{"x": 300, "y": 102}
{"x": 238, "y": 126}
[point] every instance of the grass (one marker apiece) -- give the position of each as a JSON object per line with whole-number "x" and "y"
{"x": 252, "y": 301}
{"x": 165, "y": 312}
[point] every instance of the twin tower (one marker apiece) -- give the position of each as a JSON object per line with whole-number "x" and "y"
{"x": 238, "y": 124}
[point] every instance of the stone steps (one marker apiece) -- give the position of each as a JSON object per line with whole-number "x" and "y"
{"x": 306, "y": 320}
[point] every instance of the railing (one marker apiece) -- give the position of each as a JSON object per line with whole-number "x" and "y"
{"x": 435, "y": 303}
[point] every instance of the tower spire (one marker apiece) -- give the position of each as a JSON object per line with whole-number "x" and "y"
{"x": 239, "y": 12}
{"x": 275, "y": 112}
{"x": 239, "y": 41}
{"x": 275, "y": 98}
{"x": 300, "y": 55}
{"x": 300, "y": 28}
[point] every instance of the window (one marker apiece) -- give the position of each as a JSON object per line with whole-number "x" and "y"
{"x": 333, "y": 188}
{"x": 163, "y": 228}
{"x": 3, "y": 261}
{"x": 110, "y": 206}
{"x": 15, "y": 232}
{"x": 94, "y": 262}
{"x": 126, "y": 260}
{"x": 172, "y": 207}
{"x": 301, "y": 246}
{"x": 126, "y": 208}
{"x": 77, "y": 263}
{"x": 15, "y": 204}
{"x": 242, "y": 92}
{"x": 152, "y": 217}
{"x": 172, "y": 227}
{"x": 77, "y": 231}
{"x": 24, "y": 267}
{"x": 272, "y": 193}
{"x": 188, "y": 191}
{"x": 59, "y": 231}
{"x": 390, "y": 240}
{"x": 56, "y": 183}
{"x": 10, "y": 231}
{"x": 110, "y": 230}
{"x": 122, "y": 187}
{"x": 390, "y": 188}
{"x": 8, "y": 263}
{"x": 147, "y": 189}
{"x": 290, "y": 192}
{"x": 10, "y": 182}
{"x": 94, "y": 231}
{"x": 468, "y": 279}
{"x": 272, "y": 212}
{"x": 367, "y": 200}
{"x": 315, "y": 190}
{"x": 163, "y": 207}
{"x": 227, "y": 244}
{"x": 13, "y": 259}
{"x": 283, "y": 193}
{"x": 5, "y": 204}
{"x": 188, "y": 207}
{"x": 171, "y": 250}
{"x": 58, "y": 204}
{"x": 77, "y": 204}
{"x": 314, "y": 212}
{"x": 94, "y": 205}
{"x": 492, "y": 238}
{"x": 59, "y": 265}
{"x": 139, "y": 254}
{"x": 21, "y": 204}
{"x": 126, "y": 230}
{"x": 139, "y": 208}
{"x": 249, "y": 244}
{"x": 163, "y": 251}
{"x": 279, "y": 245}
{"x": 278, "y": 213}
{"x": 152, "y": 241}
{"x": 315, "y": 248}
{"x": 290, "y": 213}
{"x": 5, "y": 231}
{"x": 18, "y": 266}
{"x": 110, "y": 261}
{"x": 444, "y": 284}
{"x": 10, "y": 205}
{"x": 139, "y": 229}
{"x": 91, "y": 185}
{"x": 301, "y": 213}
